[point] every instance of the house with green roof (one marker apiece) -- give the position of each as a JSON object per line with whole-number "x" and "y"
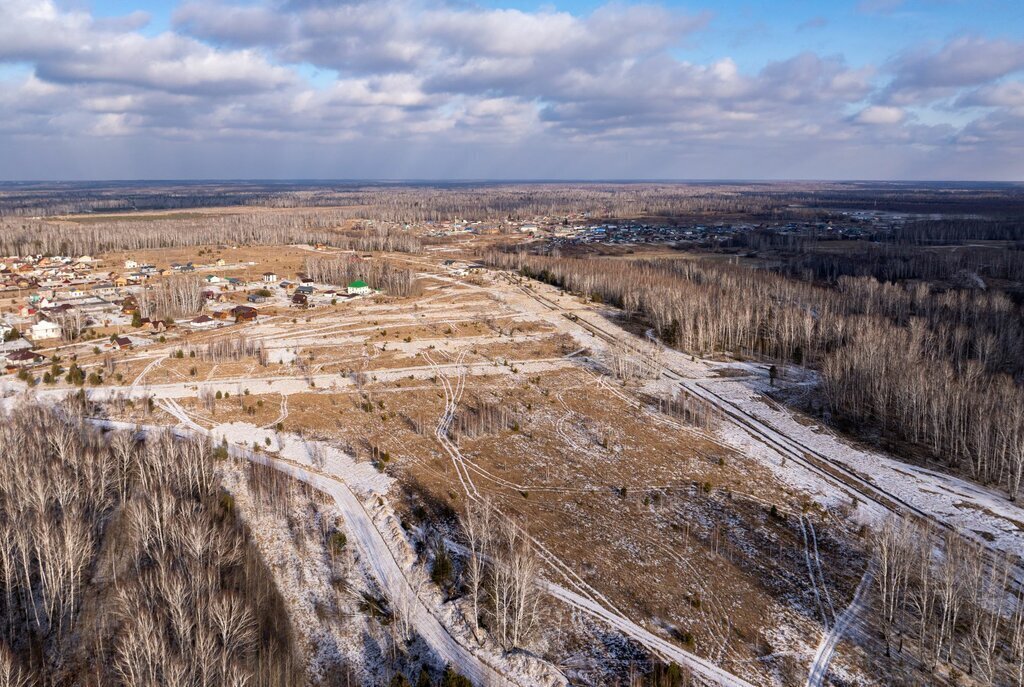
{"x": 359, "y": 288}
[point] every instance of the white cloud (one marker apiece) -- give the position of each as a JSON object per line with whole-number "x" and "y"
{"x": 71, "y": 47}
{"x": 880, "y": 114}
{"x": 1009, "y": 94}
{"x": 923, "y": 75}
{"x": 445, "y": 74}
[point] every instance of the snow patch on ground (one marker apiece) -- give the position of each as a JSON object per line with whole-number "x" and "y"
{"x": 327, "y": 624}
{"x": 972, "y": 509}
{"x": 284, "y": 356}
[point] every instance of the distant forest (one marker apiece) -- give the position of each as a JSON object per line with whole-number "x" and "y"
{"x": 413, "y": 202}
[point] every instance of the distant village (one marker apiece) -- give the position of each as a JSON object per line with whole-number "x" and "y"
{"x": 81, "y": 302}
{"x": 65, "y": 306}
{"x": 585, "y": 228}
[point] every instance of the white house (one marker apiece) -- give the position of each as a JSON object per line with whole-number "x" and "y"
{"x": 44, "y": 329}
{"x": 269, "y": 277}
{"x": 204, "y": 322}
{"x": 213, "y": 279}
{"x": 359, "y": 288}
{"x": 130, "y": 264}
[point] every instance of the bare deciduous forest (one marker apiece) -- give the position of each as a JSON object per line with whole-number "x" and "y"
{"x": 938, "y": 370}
{"x": 379, "y": 274}
{"x": 35, "y": 237}
{"x": 953, "y": 609}
{"x": 123, "y": 563}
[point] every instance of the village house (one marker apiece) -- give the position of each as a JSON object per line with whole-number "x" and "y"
{"x": 269, "y": 277}
{"x": 244, "y": 313}
{"x": 203, "y": 322}
{"x": 358, "y": 288}
{"x": 20, "y": 358}
{"x": 19, "y": 344}
{"x": 44, "y": 329}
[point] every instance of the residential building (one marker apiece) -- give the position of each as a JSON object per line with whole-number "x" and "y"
{"x": 44, "y": 329}
{"x": 203, "y": 322}
{"x": 21, "y": 358}
{"x": 244, "y": 313}
{"x": 359, "y": 288}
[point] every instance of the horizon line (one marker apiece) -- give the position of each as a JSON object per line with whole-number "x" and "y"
{"x": 485, "y": 180}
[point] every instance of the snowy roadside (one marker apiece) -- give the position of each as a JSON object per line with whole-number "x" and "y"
{"x": 983, "y": 513}
{"x": 386, "y": 553}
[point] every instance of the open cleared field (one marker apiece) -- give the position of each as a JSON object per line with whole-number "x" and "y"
{"x": 708, "y": 536}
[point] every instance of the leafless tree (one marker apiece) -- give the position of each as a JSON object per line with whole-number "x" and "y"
{"x": 513, "y": 595}
{"x": 477, "y": 526}
{"x": 134, "y": 532}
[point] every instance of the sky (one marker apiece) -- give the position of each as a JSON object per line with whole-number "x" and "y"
{"x": 511, "y": 89}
